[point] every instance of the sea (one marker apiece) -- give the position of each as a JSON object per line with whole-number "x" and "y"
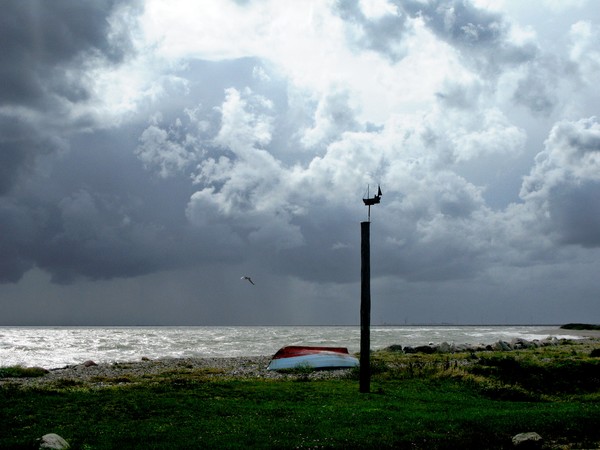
{"x": 54, "y": 347}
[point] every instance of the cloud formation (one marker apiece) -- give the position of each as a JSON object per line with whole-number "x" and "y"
{"x": 142, "y": 139}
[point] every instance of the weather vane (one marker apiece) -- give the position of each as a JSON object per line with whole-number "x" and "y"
{"x": 373, "y": 200}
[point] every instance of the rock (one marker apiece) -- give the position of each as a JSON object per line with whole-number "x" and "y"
{"x": 520, "y": 343}
{"x": 550, "y": 340}
{"x": 502, "y": 346}
{"x": 444, "y": 347}
{"x": 394, "y": 348}
{"x": 530, "y": 440}
{"x": 425, "y": 349}
{"x": 53, "y": 441}
{"x": 89, "y": 363}
{"x": 458, "y": 348}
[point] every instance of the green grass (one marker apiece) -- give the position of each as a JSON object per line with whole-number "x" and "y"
{"x": 416, "y": 401}
{"x": 22, "y": 372}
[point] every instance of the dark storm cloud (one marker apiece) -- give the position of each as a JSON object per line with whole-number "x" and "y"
{"x": 106, "y": 217}
{"x": 573, "y": 188}
{"x": 17, "y": 240}
{"x": 47, "y": 47}
{"x": 113, "y": 205}
{"x": 575, "y": 211}
{"x": 19, "y": 145}
{"x": 98, "y": 214}
{"x": 41, "y": 40}
{"x": 564, "y": 184}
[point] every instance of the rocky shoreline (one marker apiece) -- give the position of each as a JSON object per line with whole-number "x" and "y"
{"x": 499, "y": 346}
{"x": 92, "y": 375}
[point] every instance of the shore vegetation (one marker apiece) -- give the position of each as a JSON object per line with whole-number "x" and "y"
{"x": 417, "y": 401}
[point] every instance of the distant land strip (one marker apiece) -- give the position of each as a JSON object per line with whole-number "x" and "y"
{"x": 580, "y": 326}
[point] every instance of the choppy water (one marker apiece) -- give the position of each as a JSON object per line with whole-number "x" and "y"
{"x": 52, "y": 347}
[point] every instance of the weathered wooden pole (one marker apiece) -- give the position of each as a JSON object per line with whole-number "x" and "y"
{"x": 365, "y": 295}
{"x": 365, "y": 309}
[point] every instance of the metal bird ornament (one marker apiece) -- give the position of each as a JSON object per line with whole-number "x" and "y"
{"x": 370, "y": 201}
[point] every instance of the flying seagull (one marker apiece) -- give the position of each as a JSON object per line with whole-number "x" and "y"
{"x": 247, "y": 278}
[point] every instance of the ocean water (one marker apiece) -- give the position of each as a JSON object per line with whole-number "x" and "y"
{"x": 52, "y": 347}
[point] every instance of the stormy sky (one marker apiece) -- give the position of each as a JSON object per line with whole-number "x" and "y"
{"x": 152, "y": 153}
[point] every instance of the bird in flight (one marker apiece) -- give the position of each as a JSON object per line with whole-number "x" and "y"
{"x": 247, "y": 278}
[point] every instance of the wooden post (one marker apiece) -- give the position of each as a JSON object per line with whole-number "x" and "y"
{"x": 365, "y": 309}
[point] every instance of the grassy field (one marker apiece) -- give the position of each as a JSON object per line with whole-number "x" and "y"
{"x": 470, "y": 400}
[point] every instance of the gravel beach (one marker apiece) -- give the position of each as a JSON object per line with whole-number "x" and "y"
{"x": 90, "y": 374}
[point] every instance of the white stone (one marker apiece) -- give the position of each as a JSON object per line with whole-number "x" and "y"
{"x": 53, "y": 441}
{"x": 528, "y": 440}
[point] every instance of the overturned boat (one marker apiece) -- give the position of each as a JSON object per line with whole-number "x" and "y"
{"x": 295, "y": 356}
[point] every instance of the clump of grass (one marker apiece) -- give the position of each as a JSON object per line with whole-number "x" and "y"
{"x": 22, "y": 372}
{"x": 566, "y": 375}
{"x": 68, "y": 383}
{"x": 302, "y": 371}
{"x": 112, "y": 380}
{"x": 523, "y": 375}
{"x": 182, "y": 377}
{"x": 198, "y": 373}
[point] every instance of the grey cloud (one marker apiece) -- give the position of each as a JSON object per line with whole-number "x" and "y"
{"x": 333, "y": 116}
{"x": 46, "y": 50}
{"x": 19, "y": 145}
{"x": 383, "y": 35}
{"x": 41, "y": 39}
{"x": 565, "y": 181}
{"x": 538, "y": 89}
{"x": 482, "y": 39}
{"x": 17, "y": 240}
{"x": 461, "y": 96}
{"x": 96, "y": 212}
{"x": 321, "y": 257}
{"x": 575, "y": 213}
{"x": 460, "y": 22}
{"x": 480, "y": 36}
{"x": 533, "y": 93}
{"x": 473, "y": 31}
{"x": 166, "y": 151}
{"x": 437, "y": 232}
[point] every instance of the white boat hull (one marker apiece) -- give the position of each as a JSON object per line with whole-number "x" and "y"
{"x": 315, "y": 361}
